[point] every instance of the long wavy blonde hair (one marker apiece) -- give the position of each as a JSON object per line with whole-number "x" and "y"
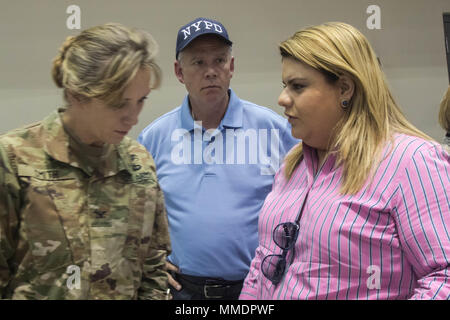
{"x": 372, "y": 117}
{"x": 444, "y": 111}
{"x": 102, "y": 60}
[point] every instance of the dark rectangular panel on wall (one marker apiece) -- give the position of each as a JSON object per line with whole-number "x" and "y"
{"x": 447, "y": 40}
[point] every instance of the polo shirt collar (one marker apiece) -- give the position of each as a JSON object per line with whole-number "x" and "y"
{"x": 232, "y": 119}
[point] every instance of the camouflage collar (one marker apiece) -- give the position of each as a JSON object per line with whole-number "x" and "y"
{"x": 56, "y": 140}
{"x": 56, "y": 143}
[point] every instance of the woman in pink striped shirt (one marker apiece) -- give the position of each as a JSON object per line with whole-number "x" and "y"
{"x": 360, "y": 209}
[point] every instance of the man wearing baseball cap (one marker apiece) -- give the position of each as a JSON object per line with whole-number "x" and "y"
{"x": 216, "y": 156}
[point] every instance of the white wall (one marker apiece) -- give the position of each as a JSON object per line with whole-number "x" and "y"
{"x": 410, "y": 44}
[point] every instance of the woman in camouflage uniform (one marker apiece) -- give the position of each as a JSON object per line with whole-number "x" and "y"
{"x": 81, "y": 212}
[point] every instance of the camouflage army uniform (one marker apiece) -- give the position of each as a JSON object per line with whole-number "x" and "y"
{"x": 60, "y": 219}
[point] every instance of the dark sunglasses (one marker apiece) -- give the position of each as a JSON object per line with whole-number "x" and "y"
{"x": 284, "y": 235}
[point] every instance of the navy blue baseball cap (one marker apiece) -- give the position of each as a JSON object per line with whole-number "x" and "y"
{"x": 199, "y": 27}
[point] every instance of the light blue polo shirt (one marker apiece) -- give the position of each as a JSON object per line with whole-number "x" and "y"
{"x": 215, "y": 182}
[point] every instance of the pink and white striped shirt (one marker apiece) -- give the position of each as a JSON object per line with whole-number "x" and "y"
{"x": 389, "y": 241}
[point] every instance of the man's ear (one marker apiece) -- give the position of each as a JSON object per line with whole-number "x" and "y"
{"x": 178, "y": 71}
{"x": 346, "y": 86}
{"x": 232, "y": 66}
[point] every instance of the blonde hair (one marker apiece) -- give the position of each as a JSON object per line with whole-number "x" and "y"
{"x": 444, "y": 111}
{"x": 337, "y": 49}
{"x": 102, "y": 60}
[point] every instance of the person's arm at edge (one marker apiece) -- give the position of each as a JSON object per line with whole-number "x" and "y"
{"x": 9, "y": 196}
{"x": 423, "y": 219}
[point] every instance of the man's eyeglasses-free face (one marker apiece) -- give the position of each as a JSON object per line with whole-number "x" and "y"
{"x": 273, "y": 266}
